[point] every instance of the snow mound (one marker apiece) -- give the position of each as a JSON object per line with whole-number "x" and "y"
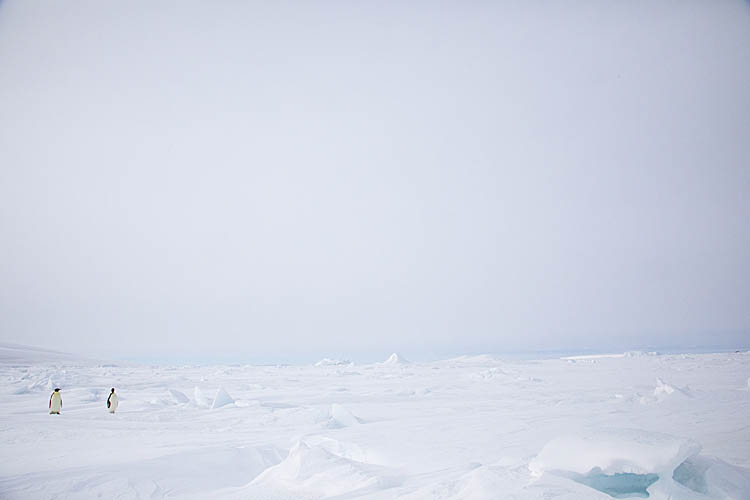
{"x": 349, "y": 450}
{"x": 615, "y": 451}
{"x": 200, "y": 399}
{"x": 222, "y": 398}
{"x": 332, "y": 362}
{"x": 339, "y": 417}
{"x": 177, "y": 396}
{"x": 471, "y": 481}
{"x": 663, "y": 389}
{"x": 317, "y": 472}
{"x": 395, "y": 359}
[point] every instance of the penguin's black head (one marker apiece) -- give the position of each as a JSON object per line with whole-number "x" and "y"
{"x": 57, "y": 390}
{"x": 113, "y": 389}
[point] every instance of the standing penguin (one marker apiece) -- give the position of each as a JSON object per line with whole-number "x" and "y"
{"x": 112, "y": 401}
{"x": 55, "y": 402}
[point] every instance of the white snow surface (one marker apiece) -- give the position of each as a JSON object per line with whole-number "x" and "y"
{"x": 615, "y": 451}
{"x": 341, "y": 417}
{"x": 396, "y": 359}
{"x": 474, "y": 427}
{"x": 332, "y": 362}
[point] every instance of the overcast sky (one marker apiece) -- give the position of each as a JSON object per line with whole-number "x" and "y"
{"x": 283, "y": 181}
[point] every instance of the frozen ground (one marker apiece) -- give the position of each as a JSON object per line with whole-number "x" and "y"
{"x": 668, "y": 426}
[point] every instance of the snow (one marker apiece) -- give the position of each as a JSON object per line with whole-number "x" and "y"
{"x": 395, "y": 359}
{"x": 479, "y": 359}
{"x": 594, "y": 356}
{"x": 332, "y": 362}
{"x": 663, "y": 389}
{"x": 178, "y": 397}
{"x": 200, "y": 399}
{"x": 341, "y": 417}
{"x": 473, "y": 427}
{"x": 315, "y": 471}
{"x": 615, "y": 451}
{"x": 626, "y": 354}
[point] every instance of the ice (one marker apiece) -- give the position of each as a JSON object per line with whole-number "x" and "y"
{"x": 713, "y": 478}
{"x": 314, "y": 471}
{"x": 472, "y": 427}
{"x": 332, "y": 362}
{"x": 479, "y": 359}
{"x": 636, "y": 354}
{"x": 200, "y": 399}
{"x": 615, "y": 451}
{"x": 341, "y": 417}
{"x": 692, "y": 474}
{"x": 594, "y": 356}
{"x": 492, "y": 373}
{"x": 395, "y": 359}
{"x": 344, "y": 449}
{"x": 180, "y": 475}
{"x": 178, "y": 397}
{"x": 222, "y": 398}
{"x": 618, "y": 485}
{"x": 663, "y": 389}
{"x": 633, "y": 463}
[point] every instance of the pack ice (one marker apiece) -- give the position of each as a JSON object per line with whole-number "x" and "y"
{"x": 634, "y": 425}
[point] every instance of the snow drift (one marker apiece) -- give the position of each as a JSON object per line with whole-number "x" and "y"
{"x": 615, "y": 451}
{"x": 396, "y": 359}
{"x": 339, "y": 416}
{"x": 315, "y": 472}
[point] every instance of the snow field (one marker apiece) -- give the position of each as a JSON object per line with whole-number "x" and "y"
{"x": 473, "y": 427}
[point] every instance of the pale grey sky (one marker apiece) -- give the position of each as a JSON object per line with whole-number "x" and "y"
{"x": 291, "y": 180}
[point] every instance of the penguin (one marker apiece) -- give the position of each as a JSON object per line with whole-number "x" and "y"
{"x": 55, "y": 402}
{"x": 112, "y": 401}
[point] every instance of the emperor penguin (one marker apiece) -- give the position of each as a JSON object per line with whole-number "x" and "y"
{"x": 55, "y": 402}
{"x": 112, "y": 401}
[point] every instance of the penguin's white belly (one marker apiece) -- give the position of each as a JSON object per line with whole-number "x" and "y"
{"x": 113, "y": 403}
{"x": 55, "y": 404}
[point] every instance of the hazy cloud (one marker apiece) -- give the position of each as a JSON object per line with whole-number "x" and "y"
{"x": 290, "y": 180}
